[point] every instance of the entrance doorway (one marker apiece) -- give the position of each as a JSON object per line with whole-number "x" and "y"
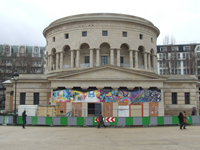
{"x": 94, "y": 109}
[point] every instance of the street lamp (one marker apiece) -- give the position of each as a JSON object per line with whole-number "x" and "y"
{"x": 16, "y": 77}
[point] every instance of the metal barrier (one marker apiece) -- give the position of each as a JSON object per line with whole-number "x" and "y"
{"x": 90, "y": 121}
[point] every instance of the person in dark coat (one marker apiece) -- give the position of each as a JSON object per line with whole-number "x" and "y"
{"x": 180, "y": 117}
{"x": 24, "y": 118}
{"x": 193, "y": 112}
{"x": 184, "y": 120}
{"x": 101, "y": 120}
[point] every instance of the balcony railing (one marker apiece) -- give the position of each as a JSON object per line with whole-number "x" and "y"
{"x": 8, "y": 64}
{"x": 6, "y": 54}
{"x": 36, "y": 65}
{"x": 66, "y": 66}
{"x": 141, "y": 66}
{"x": 21, "y": 54}
{"x": 85, "y": 65}
{"x": 124, "y": 65}
{"x": 36, "y": 55}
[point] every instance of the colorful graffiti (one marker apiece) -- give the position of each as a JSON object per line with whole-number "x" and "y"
{"x": 113, "y": 95}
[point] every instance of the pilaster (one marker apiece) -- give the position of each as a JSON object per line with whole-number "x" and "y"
{"x": 91, "y": 57}
{"x": 118, "y": 57}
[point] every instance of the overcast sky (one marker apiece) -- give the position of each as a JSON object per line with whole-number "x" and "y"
{"x": 23, "y": 21}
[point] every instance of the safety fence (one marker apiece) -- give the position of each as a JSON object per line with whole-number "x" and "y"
{"x": 91, "y": 121}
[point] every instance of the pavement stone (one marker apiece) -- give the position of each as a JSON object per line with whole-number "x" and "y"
{"x": 91, "y": 138}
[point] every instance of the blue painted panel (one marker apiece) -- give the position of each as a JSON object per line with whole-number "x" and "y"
{"x": 195, "y": 120}
{"x": 1, "y": 119}
{"x": 41, "y": 120}
{"x": 28, "y": 120}
{"x": 137, "y": 120}
{"x": 8, "y": 119}
{"x": 72, "y": 121}
{"x": 121, "y": 121}
{"x": 168, "y": 120}
{"x": 88, "y": 121}
{"x": 56, "y": 121}
{"x": 153, "y": 120}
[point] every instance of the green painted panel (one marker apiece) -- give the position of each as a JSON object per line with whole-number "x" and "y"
{"x": 34, "y": 120}
{"x": 145, "y": 120}
{"x": 48, "y": 120}
{"x": 63, "y": 121}
{"x": 190, "y": 120}
{"x": 175, "y": 120}
{"x": 80, "y": 121}
{"x": 19, "y": 121}
{"x": 160, "y": 120}
{"x": 129, "y": 120}
{"x": 95, "y": 123}
{"x": 114, "y": 123}
{"x": 3, "y": 119}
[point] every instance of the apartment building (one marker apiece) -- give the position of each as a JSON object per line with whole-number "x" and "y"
{"x": 178, "y": 59}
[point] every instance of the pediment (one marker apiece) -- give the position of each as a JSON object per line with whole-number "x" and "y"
{"x": 107, "y": 72}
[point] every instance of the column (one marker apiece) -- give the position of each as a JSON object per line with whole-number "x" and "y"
{"x": 131, "y": 58}
{"x": 57, "y": 60}
{"x": 145, "y": 60}
{"x": 155, "y": 63}
{"x": 77, "y": 58}
{"x": 61, "y": 60}
{"x": 8, "y": 103}
{"x": 118, "y": 57}
{"x": 136, "y": 58}
{"x": 72, "y": 58}
{"x": 97, "y": 57}
{"x": 48, "y": 66}
{"x": 149, "y": 61}
{"x": 91, "y": 57}
{"x": 51, "y": 63}
{"x": 112, "y": 56}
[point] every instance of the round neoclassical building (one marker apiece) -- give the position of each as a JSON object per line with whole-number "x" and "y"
{"x": 92, "y": 40}
{"x": 104, "y": 62}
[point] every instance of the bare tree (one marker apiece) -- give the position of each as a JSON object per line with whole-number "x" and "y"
{"x": 172, "y": 61}
{"x": 169, "y": 40}
{"x": 166, "y": 40}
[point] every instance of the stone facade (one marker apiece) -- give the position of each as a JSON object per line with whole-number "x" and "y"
{"x": 82, "y": 57}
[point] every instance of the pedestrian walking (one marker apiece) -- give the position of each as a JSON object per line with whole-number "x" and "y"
{"x": 24, "y": 118}
{"x": 193, "y": 111}
{"x": 184, "y": 120}
{"x": 101, "y": 120}
{"x": 180, "y": 117}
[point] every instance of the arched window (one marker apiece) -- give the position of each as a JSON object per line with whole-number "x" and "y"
{"x": 7, "y": 50}
{"x": 22, "y": 50}
{"x": 36, "y": 51}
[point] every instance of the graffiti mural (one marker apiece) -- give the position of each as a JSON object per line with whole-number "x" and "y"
{"x": 105, "y": 95}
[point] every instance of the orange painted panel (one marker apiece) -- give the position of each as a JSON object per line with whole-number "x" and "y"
{"x": 62, "y": 107}
{"x": 11, "y": 102}
{"x": 107, "y": 109}
{"x": 153, "y": 108}
{"x": 123, "y": 104}
{"x": 48, "y": 97}
{"x": 76, "y": 109}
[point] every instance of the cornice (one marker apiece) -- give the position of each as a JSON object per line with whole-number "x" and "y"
{"x": 101, "y": 17}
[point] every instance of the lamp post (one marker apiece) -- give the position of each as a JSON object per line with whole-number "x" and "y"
{"x": 16, "y": 77}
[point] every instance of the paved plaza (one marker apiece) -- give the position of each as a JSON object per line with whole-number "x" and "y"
{"x": 91, "y": 138}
